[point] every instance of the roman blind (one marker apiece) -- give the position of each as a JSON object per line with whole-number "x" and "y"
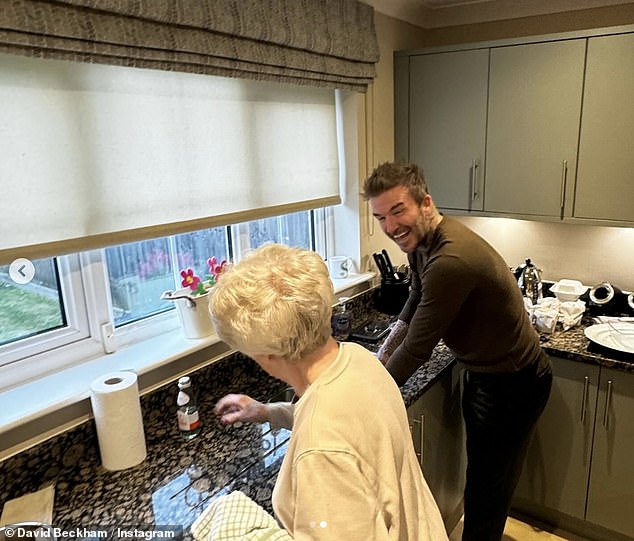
{"x": 232, "y": 118}
{"x": 94, "y": 155}
{"x": 316, "y": 42}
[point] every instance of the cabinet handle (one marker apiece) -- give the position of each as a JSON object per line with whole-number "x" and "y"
{"x": 421, "y": 433}
{"x": 564, "y": 174}
{"x": 584, "y": 398}
{"x": 608, "y": 399}
{"x": 411, "y": 433}
{"x": 474, "y": 180}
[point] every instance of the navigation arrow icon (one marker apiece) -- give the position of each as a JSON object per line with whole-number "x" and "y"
{"x": 21, "y": 271}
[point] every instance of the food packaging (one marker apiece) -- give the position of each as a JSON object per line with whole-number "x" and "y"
{"x": 568, "y": 290}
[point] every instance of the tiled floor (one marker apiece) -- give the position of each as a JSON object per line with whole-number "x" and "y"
{"x": 521, "y": 531}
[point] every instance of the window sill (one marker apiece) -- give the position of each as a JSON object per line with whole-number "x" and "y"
{"x": 353, "y": 284}
{"x": 40, "y": 409}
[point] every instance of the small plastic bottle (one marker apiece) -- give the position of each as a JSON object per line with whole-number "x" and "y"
{"x": 189, "y": 422}
{"x": 341, "y": 321}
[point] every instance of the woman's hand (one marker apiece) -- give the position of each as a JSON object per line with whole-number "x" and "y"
{"x": 235, "y": 408}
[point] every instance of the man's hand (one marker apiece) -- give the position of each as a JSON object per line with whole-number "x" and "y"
{"x": 235, "y": 408}
{"x": 393, "y": 340}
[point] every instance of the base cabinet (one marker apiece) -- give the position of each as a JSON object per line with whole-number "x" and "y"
{"x": 579, "y": 471}
{"x": 611, "y": 487}
{"x": 438, "y": 432}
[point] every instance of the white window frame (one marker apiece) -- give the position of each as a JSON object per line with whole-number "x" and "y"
{"x": 90, "y": 330}
{"x": 240, "y": 235}
{"x": 77, "y": 326}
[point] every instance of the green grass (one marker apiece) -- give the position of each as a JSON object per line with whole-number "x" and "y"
{"x": 24, "y": 312}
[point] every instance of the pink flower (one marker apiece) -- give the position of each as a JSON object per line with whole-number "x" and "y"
{"x": 214, "y": 268}
{"x": 190, "y": 280}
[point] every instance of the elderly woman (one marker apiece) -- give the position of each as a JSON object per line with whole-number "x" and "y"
{"x": 350, "y": 472}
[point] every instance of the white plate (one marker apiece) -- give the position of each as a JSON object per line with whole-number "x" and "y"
{"x": 606, "y": 335}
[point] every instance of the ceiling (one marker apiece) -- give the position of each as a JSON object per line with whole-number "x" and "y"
{"x": 441, "y": 13}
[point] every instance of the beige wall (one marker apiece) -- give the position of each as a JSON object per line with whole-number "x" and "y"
{"x": 587, "y": 253}
{"x": 531, "y": 26}
{"x": 393, "y": 35}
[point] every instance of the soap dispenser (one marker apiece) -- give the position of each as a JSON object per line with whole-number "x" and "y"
{"x": 341, "y": 321}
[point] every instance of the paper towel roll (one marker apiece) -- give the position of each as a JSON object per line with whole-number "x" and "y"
{"x": 117, "y": 410}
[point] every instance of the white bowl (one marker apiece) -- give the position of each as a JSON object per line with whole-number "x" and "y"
{"x": 568, "y": 290}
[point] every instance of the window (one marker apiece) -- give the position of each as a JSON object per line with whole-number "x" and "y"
{"x": 168, "y": 134}
{"x": 123, "y": 285}
{"x": 48, "y": 312}
{"x": 295, "y": 229}
{"x": 139, "y": 272}
{"x": 34, "y": 308}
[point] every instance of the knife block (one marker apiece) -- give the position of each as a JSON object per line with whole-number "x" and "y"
{"x": 392, "y": 295}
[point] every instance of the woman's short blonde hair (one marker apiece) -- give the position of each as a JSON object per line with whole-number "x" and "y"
{"x": 276, "y": 301}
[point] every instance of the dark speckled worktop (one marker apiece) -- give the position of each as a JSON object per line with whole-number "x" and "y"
{"x": 179, "y": 478}
{"x": 573, "y": 344}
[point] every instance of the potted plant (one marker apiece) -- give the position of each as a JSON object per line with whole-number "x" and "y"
{"x": 192, "y": 301}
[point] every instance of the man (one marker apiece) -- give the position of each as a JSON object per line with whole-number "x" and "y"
{"x": 463, "y": 292}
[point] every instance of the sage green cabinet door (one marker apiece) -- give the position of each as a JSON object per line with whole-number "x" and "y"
{"x": 447, "y": 124}
{"x": 555, "y": 475}
{"x": 611, "y": 489}
{"x": 533, "y": 126}
{"x": 436, "y": 423}
{"x": 605, "y": 182}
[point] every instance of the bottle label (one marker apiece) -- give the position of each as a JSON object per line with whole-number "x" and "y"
{"x": 188, "y": 421}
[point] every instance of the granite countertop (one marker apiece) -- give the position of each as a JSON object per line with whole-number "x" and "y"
{"x": 179, "y": 478}
{"x": 572, "y": 344}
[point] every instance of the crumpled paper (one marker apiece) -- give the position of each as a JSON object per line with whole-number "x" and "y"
{"x": 546, "y": 314}
{"x": 548, "y": 311}
{"x": 570, "y": 313}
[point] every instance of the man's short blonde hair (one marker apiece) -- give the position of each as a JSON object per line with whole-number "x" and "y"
{"x": 276, "y": 301}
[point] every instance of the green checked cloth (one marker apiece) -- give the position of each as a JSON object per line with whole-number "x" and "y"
{"x": 234, "y": 517}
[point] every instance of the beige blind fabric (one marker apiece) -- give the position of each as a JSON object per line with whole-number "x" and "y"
{"x": 316, "y": 42}
{"x": 92, "y": 154}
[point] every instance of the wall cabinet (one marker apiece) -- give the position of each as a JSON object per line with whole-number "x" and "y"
{"x": 604, "y": 181}
{"x": 533, "y": 126}
{"x": 437, "y": 429}
{"x": 579, "y": 464}
{"x": 447, "y": 124}
{"x": 529, "y": 128}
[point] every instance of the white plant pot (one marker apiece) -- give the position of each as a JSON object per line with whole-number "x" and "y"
{"x": 193, "y": 312}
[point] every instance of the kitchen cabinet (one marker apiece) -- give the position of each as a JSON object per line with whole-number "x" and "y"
{"x": 437, "y": 429}
{"x": 446, "y": 129}
{"x": 604, "y": 180}
{"x": 579, "y": 470}
{"x": 611, "y": 488}
{"x": 533, "y": 126}
{"x": 557, "y": 465}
